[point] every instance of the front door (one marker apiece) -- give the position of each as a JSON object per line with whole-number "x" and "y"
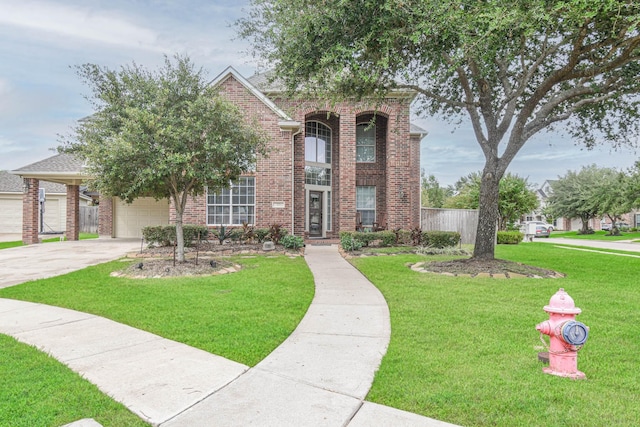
{"x": 315, "y": 214}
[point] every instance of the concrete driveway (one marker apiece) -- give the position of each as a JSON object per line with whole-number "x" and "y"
{"x": 24, "y": 263}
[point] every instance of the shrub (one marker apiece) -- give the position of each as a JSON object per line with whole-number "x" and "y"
{"x": 276, "y": 232}
{"x": 416, "y": 236}
{"x": 387, "y": 238}
{"x": 509, "y": 237}
{"x": 589, "y": 231}
{"x": 291, "y": 241}
{"x": 222, "y": 233}
{"x": 440, "y": 239}
{"x": 261, "y": 234}
{"x": 349, "y": 242}
{"x": 428, "y": 250}
{"x": 248, "y": 232}
{"x": 165, "y": 235}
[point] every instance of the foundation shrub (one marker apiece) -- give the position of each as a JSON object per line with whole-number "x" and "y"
{"x": 165, "y": 235}
{"x": 440, "y": 239}
{"x": 509, "y": 237}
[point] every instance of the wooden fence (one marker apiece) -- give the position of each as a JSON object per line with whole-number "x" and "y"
{"x": 88, "y": 219}
{"x": 464, "y": 221}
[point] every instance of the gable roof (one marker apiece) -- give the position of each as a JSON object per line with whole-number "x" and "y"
{"x": 10, "y": 183}
{"x": 61, "y": 168}
{"x": 231, "y": 72}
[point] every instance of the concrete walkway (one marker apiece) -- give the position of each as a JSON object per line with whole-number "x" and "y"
{"x": 318, "y": 377}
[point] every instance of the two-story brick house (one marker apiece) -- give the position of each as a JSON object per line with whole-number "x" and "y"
{"x": 330, "y": 167}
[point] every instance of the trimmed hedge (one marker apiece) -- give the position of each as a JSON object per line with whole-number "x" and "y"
{"x": 509, "y": 237}
{"x": 165, "y": 235}
{"x": 436, "y": 239}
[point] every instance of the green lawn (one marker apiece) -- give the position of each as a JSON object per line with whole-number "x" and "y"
{"x": 241, "y": 316}
{"x": 598, "y": 235}
{"x": 37, "y": 390}
{"x": 464, "y": 350}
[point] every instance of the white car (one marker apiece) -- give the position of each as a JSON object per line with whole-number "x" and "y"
{"x": 548, "y": 226}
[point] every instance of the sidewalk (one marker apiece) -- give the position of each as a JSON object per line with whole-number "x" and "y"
{"x": 318, "y": 377}
{"x": 619, "y": 245}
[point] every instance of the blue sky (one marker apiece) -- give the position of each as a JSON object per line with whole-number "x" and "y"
{"x": 41, "y": 96}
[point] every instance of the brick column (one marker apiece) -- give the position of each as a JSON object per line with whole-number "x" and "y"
{"x": 346, "y": 214}
{"x": 73, "y": 212}
{"x": 30, "y": 211}
{"x": 401, "y": 188}
{"x": 105, "y": 217}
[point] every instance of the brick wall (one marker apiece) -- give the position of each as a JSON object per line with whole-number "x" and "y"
{"x": 30, "y": 211}
{"x": 273, "y": 173}
{"x": 73, "y": 212}
{"x": 395, "y": 173}
{"x": 105, "y": 215}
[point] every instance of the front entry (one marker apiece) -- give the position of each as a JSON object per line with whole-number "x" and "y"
{"x": 315, "y": 214}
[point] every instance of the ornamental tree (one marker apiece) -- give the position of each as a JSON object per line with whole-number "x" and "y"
{"x": 514, "y": 68}
{"x": 165, "y": 134}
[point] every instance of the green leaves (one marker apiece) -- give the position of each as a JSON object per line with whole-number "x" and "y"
{"x": 163, "y": 134}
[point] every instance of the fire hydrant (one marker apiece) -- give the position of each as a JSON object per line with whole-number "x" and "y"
{"x": 566, "y": 336}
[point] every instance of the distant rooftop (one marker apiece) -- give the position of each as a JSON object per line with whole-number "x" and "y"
{"x": 10, "y": 183}
{"x": 57, "y": 163}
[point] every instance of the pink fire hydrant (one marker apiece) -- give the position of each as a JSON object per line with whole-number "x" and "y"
{"x": 566, "y": 336}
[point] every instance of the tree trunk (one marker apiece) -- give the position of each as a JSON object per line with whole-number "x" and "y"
{"x": 179, "y": 230}
{"x": 487, "y": 215}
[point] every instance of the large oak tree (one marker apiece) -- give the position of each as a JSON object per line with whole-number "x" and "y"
{"x": 512, "y": 67}
{"x": 165, "y": 134}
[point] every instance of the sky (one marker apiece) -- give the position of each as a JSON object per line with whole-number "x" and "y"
{"x": 41, "y": 96}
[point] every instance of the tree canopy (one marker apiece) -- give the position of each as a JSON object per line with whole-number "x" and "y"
{"x": 594, "y": 192}
{"x": 165, "y": 134}
{"x": 513, "y": 68}
{"x": 576, "y": 195}
{"x": 516, "y": 197}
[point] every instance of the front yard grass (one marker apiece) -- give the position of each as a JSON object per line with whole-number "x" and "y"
{"x": 464, "y": 350}
{"x": 37, "y": 390}
{"x": 241, "y": 316}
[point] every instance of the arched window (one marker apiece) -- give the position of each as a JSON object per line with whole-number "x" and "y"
{"x": 317, "y": 153}
{"x": 317, "y": 143}
{"x": 365, "y": 142}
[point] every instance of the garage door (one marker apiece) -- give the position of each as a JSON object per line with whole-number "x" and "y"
{"x": 129, "y": 219}
{"x": 10, "y": 214}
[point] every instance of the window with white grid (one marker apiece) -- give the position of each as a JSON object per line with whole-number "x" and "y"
{"x": 233, "y": 206}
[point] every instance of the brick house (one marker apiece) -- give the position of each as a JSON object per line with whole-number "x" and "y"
{"x": 330, "y": 168}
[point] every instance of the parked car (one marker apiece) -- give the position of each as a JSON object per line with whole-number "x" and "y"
{"x": 542, "y": 231}
{"x": 545, "y": 224}
{"x": 608, "y": 226}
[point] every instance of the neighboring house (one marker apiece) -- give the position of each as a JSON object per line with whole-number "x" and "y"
{"x": 52, "y": 209}
{"x": 331, "y": 167}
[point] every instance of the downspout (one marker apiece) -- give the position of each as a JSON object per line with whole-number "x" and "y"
{"x": 295, "y": 128}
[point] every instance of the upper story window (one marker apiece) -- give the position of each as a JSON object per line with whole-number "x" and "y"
{"x": 317, "y": 143}
{"x": 365, "y": 142}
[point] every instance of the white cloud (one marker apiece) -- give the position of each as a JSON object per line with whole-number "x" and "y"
{"x": 78, "y": 22}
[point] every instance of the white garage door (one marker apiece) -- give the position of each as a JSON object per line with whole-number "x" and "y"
{"x": 10, "y": 214}
{"x": 130, "y": 219}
